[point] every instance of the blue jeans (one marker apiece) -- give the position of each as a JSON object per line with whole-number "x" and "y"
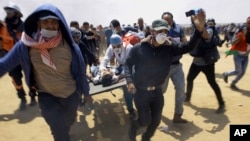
{"x": 59, "y": 113}
{"x": 128, "y": 99}
{"x": 177, "y": 76}
{"x": 240, "y": 63}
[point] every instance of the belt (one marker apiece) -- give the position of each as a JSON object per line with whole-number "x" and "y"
{"x": 149, "y": 88}
{"x": 175, "y": 63}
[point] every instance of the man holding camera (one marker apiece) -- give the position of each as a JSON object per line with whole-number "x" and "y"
{"x": 205, "y": 57}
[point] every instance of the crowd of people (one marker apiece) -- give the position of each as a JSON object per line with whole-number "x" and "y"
{"x": 60, "y": 60}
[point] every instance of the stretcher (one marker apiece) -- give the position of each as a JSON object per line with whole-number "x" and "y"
{"x": 97, "y": 89}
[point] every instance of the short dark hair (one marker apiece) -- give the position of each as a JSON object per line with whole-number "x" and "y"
{"x": 106, "y": 80}
{"x": 168, "y": 13}
{"x": 211, "y": 20}
{"x": 115, "y": 23}
{"x": 74, "y": 23}
{"x": 85, "y": 23}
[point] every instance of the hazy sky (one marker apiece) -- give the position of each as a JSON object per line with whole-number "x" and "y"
{"x": 128, "y": 11}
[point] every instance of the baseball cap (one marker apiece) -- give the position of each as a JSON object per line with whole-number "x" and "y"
{"x": 115, "y": 39}
{"x": 43, "y": 15}
{"x": 160, "y": 24}
{"x": 12, "y": 5}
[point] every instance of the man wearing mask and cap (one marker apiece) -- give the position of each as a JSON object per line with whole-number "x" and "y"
{"x": 10, "y": 33}
{"x": 119, "y": 50}
{"x": 52, "y": 62}
{"x": 146, "y": 68}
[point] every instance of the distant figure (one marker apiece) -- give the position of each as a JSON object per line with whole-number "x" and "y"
{"x": 229, "y": 33}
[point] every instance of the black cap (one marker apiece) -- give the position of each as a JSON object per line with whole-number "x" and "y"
{"x": 46, "y": 14}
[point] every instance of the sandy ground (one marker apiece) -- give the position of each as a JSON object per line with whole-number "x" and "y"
{"x": 108, "y": 121}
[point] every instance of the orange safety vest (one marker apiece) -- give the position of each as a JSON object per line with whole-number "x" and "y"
{"x": 7, "y": 41}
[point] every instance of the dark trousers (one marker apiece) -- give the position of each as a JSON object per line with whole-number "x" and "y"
{"x": 149, "y": 106}
{"x": 209, "y": 72}
{"x": 59, "y": 113}
{"x": 17, "y": 75}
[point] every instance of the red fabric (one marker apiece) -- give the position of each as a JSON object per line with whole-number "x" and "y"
{"x": 130, "y": 39}
{"x": 242, "y": 44}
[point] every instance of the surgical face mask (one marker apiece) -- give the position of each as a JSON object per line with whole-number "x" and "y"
{"x": 117, "y": 50}
{"x": 160, "y": 38}
{"x": 48, "y": 33}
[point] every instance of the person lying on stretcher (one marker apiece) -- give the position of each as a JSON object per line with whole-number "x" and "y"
{"x": 106, "y": 77}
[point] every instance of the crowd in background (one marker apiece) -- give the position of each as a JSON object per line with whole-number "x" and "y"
{"x": 100, "y": 35}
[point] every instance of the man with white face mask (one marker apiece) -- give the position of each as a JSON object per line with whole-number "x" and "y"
{"x": 120, "y": 50}
{"x": 52, "y": 62}
{"x": 146, "y": 69}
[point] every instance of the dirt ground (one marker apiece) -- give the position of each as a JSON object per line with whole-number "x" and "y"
{"x": 108, "y": 121}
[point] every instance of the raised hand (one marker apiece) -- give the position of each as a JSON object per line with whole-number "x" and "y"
{"x": 199, "y": 20}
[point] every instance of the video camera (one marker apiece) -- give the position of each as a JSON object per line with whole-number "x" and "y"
{"x": 193, "y": 12}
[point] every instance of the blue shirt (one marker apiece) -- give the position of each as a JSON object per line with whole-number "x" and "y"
{"x": 177, "y": 33}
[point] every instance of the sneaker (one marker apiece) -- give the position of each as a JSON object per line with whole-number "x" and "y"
{"x": 33, "y": 101}
{"x": 221, "y": 109}
{"x": 178, "y": 119}
{"x": 234, "y": 87}
{"x": 187, "y": 100}
{"x": 22, "y": 105}
{"x": 225, "y": 77}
